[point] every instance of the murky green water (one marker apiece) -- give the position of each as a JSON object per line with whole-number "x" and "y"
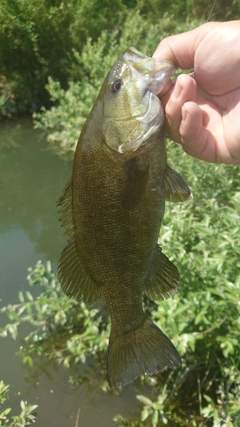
{"x": 32, "y": 177}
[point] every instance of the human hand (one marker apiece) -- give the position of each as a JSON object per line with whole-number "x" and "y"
{"x": 203, "y": 108}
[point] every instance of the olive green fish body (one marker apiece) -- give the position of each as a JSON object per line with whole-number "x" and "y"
{"x": 117, "y": 209}
{"x": 112, "y": 209}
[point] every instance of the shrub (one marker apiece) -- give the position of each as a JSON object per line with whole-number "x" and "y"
{"x": 37, "y": 38}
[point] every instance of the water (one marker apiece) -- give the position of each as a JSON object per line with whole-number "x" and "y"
{"x": 32, "y": 177}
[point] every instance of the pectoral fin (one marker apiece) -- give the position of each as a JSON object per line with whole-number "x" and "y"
{"x": 176, "y": 190}
{"x": 163, "y": 281}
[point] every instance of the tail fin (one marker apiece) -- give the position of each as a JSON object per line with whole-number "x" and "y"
{"x": 143, "y": 351}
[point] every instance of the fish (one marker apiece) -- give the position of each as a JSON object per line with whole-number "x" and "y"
{"x": 112, "y": 209}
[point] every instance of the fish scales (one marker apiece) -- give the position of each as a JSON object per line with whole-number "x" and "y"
{"x": 121, "y": 232}
{"x": 119, "y": 239}
{"x": 113, "y": 208}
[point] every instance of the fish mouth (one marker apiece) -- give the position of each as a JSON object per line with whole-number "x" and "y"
{"x": 153, "y": 73}
{"x": 152, "y": 76}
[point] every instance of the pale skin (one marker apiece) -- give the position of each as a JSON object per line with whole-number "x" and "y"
{"x": 203, "y": 108}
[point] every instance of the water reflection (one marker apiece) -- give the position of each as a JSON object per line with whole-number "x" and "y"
{"x": 31, "y": 179}
{"x": 84, "y": 392}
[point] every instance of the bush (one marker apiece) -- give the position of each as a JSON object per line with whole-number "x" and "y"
{"x": 34, "y": 42}
{"x": 37, "y": 38}
{"x": 188, "y": 10}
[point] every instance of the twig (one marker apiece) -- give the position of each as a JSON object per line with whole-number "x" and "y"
{"x": 213, "y": 327}
{"x": 77, "y": 419}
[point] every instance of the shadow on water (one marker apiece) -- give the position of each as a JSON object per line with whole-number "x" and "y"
{"x": 32, "y": 177}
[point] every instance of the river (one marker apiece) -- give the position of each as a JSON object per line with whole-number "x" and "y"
{"x": 32, "y": 176}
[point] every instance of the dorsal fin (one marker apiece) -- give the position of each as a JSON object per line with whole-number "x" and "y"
{"x": 163, "y": 281}
{"x": 74, "y": 280}
{"x": 176, "y": 190}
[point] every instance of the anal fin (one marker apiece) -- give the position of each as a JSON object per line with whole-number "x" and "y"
{"x": 73, "y": 278}
{"x": 163, "y": 281}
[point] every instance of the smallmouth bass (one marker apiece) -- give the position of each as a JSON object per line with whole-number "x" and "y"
{"x": 112, "y": 209}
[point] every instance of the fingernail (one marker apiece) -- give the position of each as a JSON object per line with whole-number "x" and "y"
{"x": 177, "y": 90}
{"x": 184, "y": 113}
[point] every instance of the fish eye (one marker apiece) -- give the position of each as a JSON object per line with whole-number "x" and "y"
{"x": 116, "y": 86}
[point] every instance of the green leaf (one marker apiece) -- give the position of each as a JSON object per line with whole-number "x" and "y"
{"x": 21, "y": 296}
{"x": 144, "y": 414}
{"x": 144, "y": 400}
{"x": 4, "y": 413}
{"x": 155, "y": 416}
{"x": 29, "y": 296}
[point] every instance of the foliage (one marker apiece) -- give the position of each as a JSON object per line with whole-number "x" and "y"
{"x": 63, "y": 329}
{"x": 202, "y": 238}
{"x": 25, "y": 55}
{"x": 26, "y": 417}
{"x": 38, "y": 38}
{"x": 181, "y": 10}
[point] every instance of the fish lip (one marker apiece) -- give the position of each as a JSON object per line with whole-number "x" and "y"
{"x": 161, "y": 77}
{"x": 157, "y": 79}
{"x": 154, "y": 73}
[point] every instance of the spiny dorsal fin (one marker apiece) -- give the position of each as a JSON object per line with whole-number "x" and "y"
{"x": 65, "y": 203}
{"x": 163, "y": 281}
{"x": 176, "y": 190}
{"x": 74, "y": 280}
